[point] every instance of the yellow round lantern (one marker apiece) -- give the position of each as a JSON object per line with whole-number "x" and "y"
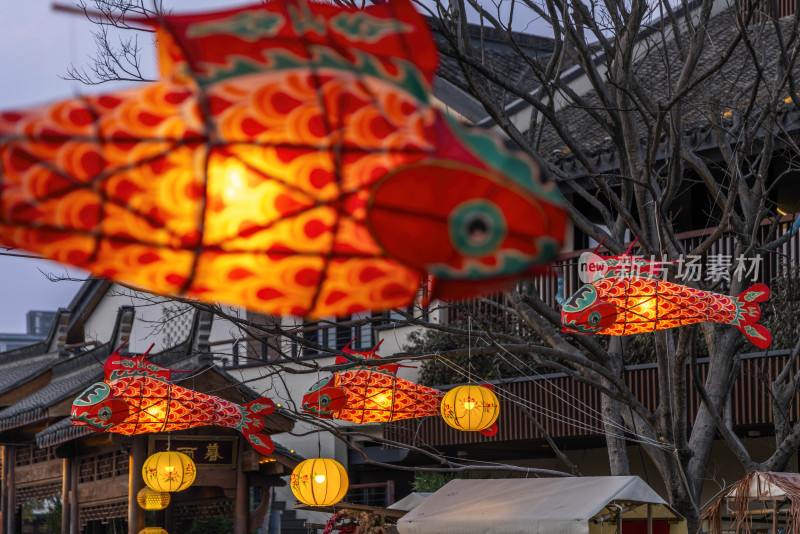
{"x": 169, "y": 471}
{"x": 470, "y": 407}
{"x": 319, "y": 482}
{"x": 153, "y": 530}
{"x": 152, "y": 500}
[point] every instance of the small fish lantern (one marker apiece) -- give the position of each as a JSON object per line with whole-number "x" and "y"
{"x": 319, "y": 482}
{"x": 169, "y": 471}
{"x": 152, "y": 500}
{"x": 470, "y": 407}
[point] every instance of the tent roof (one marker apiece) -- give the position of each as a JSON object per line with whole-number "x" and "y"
{"x": 768, "y": 485}
{"x": 509, "y": 506}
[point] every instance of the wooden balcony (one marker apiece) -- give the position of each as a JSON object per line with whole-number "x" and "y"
{"x": 567, "y": 408}
{"x": 567, "y": 264}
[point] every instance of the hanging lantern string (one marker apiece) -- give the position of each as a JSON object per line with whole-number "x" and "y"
{"x": 572, "y": 398}
{"x": 624, "y": 432}
{"x": 561, "y": 418}
{"x": 469, "y": 349}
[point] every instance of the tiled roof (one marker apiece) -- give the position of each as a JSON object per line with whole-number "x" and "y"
{"x": 496, "y": 55}
{"x": 14, "y": 373}
{"x": 34, "y": 407}
{"x": 710, "y": 99}
{"x": 60, "y": 432}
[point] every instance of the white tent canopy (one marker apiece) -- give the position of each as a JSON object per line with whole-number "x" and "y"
{"x": 536, "y": 505}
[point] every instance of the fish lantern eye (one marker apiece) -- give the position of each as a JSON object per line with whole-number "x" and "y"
{"x": 477, "y": 227}
{"x": 104, "y": 413}
{"x": 594, "y": 318}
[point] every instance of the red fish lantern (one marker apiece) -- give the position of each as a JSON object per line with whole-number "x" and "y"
{"x": 288, "y": 161}
{"x": 627, "y": 296}
{"x": 142, "y": 401}
{"x": 372, "y": 394}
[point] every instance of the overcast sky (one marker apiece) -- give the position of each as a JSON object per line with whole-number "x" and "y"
{"x": 37, "y": 45}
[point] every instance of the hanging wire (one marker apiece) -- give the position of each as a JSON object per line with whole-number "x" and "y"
{"x": 624, "y": 432}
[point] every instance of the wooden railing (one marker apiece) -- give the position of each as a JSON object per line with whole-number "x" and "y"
{"x": 567, "y": 264}
{"x": 567, "y": 408}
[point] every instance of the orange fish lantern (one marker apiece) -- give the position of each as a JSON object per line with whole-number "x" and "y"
{"x": 373, "y": 394}
{"x": 627, "y": 296}
{"x": 141, "y": 400}
{"x": 288, "y": 161}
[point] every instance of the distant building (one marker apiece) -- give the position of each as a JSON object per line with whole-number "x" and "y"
{"x": 38, "y": 324}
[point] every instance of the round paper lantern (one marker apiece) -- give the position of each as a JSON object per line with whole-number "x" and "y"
{"x": 153, "y": 530}
{"x": 470, "y": 407}
{"x": 319, "y": 482}
{"x": 152, "y": 500}
{"x": 169, "y": 471}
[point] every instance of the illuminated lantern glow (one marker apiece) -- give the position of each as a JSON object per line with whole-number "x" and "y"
{"x": 279, "y": 165}
{"x": 153, "y": 530}
{"x": 471, "y": 407}
{"x": 319, "y": 482}
{"x": 169, "y": 471}
{"x": 152, "y": 500}
{"x": 370, "y": 394}
{"x": 627, "y": 296}
{"x": 137, "y": 399}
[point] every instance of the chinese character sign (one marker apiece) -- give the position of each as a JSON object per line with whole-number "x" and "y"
{"x": 289, "y": 160}
{"x": 620, "y": 302}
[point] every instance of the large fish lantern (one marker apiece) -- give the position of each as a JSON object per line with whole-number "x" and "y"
{"x": 372, "y": 394}
{"x": 289, "y": 160}
{"x": 141, "y": 400}
{"x": 626, "y": 295}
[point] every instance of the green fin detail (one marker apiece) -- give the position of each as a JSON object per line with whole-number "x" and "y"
{"x": 305, "y": 21}
{"x": 408, "y": 77}
{"x": 365, "y": 28}
{"x": 752, "y": 332}
{"x": 490, "y": 150}
{"x": 250, "y": 26}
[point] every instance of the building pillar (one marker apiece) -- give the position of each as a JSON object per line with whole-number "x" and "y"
{"x": 66, "y": 487}
{"x": 11, "y": 489}
{"x": 4, "y": 488}
{"x": 241, "y": 506}
{"x": 74, "y": 501}
{"x": 135, "y": 483}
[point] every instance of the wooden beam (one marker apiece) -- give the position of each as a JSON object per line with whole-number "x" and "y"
{"x": 74, "y": 500}
{"x": 241, "y": 506}
{"x": 135, "y": 483}
{"x": 66, "y": 483}
{"x": 4, "y": 488}
{"x": 11, "y": 487}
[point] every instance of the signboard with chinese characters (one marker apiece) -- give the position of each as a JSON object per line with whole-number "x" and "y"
{"x": 205, "y": 451}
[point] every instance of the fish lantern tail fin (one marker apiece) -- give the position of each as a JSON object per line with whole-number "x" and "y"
{"x": 253, "y": 414}
{"x": 749, "y": 312}
{"x": 261, "y": 442}
{"x": 491, "y": 431}
{"x": 756, "y": 334}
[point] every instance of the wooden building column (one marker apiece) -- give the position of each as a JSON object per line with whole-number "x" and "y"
{"x": 135, "y": 483}
{"x": 10, "y": 513}
{"x": 74, "y": 501}
{"x": 4, "y": 488}
{"x": 66, "y": 487}
{"x": 241, "y": 506}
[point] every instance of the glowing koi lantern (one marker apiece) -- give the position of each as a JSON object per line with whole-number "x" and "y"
{"x": 287, "y": 161}
{"x": 169, "y": 471}
{"x": 319, "y": 482}
{"x": 471, "y": 407}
